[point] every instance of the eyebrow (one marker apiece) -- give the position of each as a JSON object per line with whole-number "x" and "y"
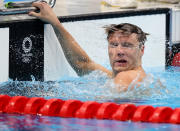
{"x": 127, "y": 43}
{"x": 121, "y": 43}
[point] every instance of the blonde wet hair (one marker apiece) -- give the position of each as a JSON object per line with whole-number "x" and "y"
{"x": 126, "y": 29}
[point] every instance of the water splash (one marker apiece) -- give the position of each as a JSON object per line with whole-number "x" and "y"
{"x": 97, "y": 86}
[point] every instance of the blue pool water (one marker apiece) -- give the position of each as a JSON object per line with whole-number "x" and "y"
{"x": 97, "y": 87}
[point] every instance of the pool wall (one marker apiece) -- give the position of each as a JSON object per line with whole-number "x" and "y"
{"x": 27, "y": 52}
{"x": 24, "y": 57}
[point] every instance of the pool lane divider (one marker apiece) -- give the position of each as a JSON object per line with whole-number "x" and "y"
{"x": 88, "y": 109}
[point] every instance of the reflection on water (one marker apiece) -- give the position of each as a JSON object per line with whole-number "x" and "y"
{"x": 159, "y": 88}
{"x": 30, "y": 122}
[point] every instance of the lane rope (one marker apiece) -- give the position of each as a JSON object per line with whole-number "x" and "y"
{"x": 88, "y": 109}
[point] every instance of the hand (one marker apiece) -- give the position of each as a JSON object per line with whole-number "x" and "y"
{"x": 46, "y": 14}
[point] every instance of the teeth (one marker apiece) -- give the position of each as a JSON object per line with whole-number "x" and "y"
{"x": 122, "y": 61}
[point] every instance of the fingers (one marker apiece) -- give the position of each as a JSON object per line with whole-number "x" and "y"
{"x": 46, "y": 14}
{"x": 32, "y": 13}
{"x": 38, "y": 5}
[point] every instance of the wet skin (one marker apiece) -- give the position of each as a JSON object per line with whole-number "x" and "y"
{"x": 125, "y": 55}
{"x": 124, "y": 52}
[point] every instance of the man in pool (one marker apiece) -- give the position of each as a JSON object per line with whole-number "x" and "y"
{"x": 125, "y": 48}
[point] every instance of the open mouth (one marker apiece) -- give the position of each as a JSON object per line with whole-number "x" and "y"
{"x": 121, "y": 62}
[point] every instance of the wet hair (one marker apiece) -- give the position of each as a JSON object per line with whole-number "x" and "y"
{"x": 126, "y": 29}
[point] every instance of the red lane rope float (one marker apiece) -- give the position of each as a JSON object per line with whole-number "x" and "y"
{"x": 161, "y": 115}
{"x": 143, "y": 113}
{"x": 69, "y": 108}
{"x": 124, "y": 112}
{"x": 89, "y": 109}
{"x": 175, "y": 117}
{"x": 33, "y": 105}
{"x": 106, "y": 110}
{"x": 16, "y": 104}
{"x": 4, "y": 99}
{"x": 51, "y": 107}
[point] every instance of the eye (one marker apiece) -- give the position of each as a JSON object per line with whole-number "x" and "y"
{"x": 127, "y": 45}
{"x": 113, "y": 44}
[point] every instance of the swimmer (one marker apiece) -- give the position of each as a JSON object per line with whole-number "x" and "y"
{"x": 125, "y": 49}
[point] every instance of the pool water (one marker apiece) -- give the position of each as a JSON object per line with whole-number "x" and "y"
{"x": 35, "y": 123}
{"x": 160, "y": 88}
{"x": 94, "y": 87}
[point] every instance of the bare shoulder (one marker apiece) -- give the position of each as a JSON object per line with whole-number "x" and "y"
{"x": 126, "y": 77}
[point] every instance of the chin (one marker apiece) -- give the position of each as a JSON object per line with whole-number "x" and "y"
{"x": 121, "y": 69}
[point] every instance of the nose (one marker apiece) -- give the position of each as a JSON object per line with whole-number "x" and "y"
{"x": 120, "y": 50}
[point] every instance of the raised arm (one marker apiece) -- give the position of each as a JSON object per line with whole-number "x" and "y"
{"x": 75, "y": 55}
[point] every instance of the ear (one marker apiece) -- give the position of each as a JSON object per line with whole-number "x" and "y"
{"x": 142, "y": 49}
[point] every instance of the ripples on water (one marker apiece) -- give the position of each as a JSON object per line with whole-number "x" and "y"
{"x": 159, "y": 86}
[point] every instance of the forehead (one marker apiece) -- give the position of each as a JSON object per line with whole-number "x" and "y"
{"x": 119, "y": 36}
